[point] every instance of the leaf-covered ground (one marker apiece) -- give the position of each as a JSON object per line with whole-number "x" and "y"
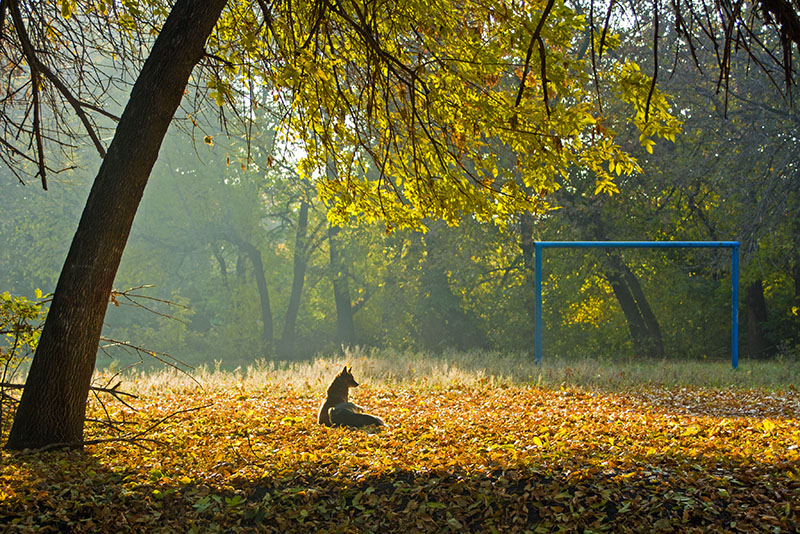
{"x": 461, "y": 459}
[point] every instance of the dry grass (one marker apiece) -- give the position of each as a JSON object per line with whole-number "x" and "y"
{"x": 470, "y": 369}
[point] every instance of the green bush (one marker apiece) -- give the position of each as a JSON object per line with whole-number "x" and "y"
{"x": 21, "y": 322}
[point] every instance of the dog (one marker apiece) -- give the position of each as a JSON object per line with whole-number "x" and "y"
{"x": 337, "y": 410}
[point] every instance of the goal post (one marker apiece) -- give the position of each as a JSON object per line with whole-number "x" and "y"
{"x": 539, "y": 247}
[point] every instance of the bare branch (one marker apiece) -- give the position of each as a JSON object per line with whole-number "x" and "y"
{"x": 543, "y": 74}
{"x": 131, "y": 299}
{"x": 534, "y": 39}
{"x": 655, "y": 61}
{"x": 38, "y": 68}
{"x": 163, "y": 357}
{"x": 111, "y": 391}
{"x": 170, "y": 416}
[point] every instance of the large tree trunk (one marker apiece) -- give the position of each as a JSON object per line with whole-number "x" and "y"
{"x": 345, "y": 326}
{"x": 223, "y": 266}
{"x": 758, "y": 346}
{"x": 642, "y": 324}
{"x": 53, "y": 404}
{"x": 298, "y": 279}
{"x": 630, "y": 310}
{"x": 267, "y": 331}
{"x": 651, "y": 326}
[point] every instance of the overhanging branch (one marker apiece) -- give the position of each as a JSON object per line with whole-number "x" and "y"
{"x": 111, "y": 391}
{"x": 39, "y": 70}
{"x": 534, "y": 38}
{"x": 655, "y": 62}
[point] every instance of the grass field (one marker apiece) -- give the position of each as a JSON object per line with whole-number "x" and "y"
{"x": 423, "y": 370}
{"x": 475, "y": 442}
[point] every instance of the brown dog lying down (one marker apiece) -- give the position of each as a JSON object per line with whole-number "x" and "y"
{"x": 337, "y": 410}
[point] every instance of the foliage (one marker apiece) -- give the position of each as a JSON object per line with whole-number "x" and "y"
{"x": 408, "y": 111}
{"x": 437, "y": 110}
{"x": 20, "y": 325}
{"x": 239, "y": 191}
{"x": 475, "y": 455}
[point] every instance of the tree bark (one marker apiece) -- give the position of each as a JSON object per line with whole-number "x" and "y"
{"x": 651, "y": 326}
{"x": 630, "y": 310}
{"x": 298, "y": 279}
{"x": 758, "y": 346}
{"x": 267, "y": 330}
{"x": 53, "y": 404}
{"x": 642, "y": 323}
{"x": 345, "y": 326}
{"x": 223, "y": 266}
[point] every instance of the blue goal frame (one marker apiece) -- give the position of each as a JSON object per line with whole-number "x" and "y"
{"x": 733, "y": 245}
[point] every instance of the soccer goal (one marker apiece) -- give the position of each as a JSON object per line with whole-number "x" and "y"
{"x": 733, "y": 245}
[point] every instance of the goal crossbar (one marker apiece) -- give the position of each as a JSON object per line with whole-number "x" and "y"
{"x": 733, "y": 245}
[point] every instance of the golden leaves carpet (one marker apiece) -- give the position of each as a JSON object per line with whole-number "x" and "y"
{"x": 493, "y": 459}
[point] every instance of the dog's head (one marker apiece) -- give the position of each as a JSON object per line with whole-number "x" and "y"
{"x": 345, "y": 378}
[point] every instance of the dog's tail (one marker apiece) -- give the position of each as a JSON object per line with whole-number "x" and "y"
{"x": 348, "y": 414}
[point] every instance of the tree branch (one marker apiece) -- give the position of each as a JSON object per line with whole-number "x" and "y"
{"x": 37, "y": 68}
{"x": 35, "y": 71}
{"x": 543, "y": 62}
{"x": 655, "y": 62}
{"x": 534, "y": 38}
{"x": 111, "y": 391}
{"x": 131, "y": 297}
{"x": 391, "y": 62}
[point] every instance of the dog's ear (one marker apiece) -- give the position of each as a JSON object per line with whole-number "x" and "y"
{"x": 344, "y": 370}
{"x": 350, "y": 370}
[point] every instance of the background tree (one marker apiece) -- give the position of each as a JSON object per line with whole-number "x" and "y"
{"x": 729, "y": 175}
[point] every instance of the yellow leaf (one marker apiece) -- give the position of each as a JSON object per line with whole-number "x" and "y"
{"x": 209, "y": 140}
{"x": 291, "y": 420}
{"x": 537, "y": 441}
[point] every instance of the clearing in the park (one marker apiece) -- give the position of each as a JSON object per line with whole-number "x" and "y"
{"x": 574, "y": 448}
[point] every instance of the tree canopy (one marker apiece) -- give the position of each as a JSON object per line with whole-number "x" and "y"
{"x": 404, "y": 111}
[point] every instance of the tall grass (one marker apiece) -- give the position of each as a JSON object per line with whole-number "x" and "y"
{"x": 472, "y": 369}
